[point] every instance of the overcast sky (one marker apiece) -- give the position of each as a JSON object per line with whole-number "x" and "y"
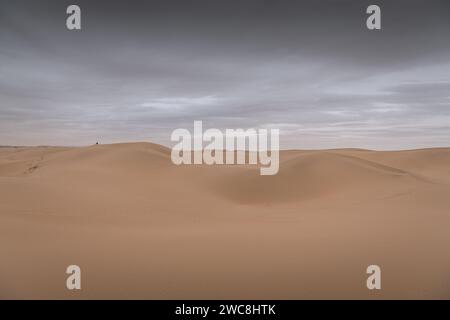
{"x": 140, "y": 69}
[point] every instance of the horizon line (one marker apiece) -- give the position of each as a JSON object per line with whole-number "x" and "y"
{"x": 168, "y": 147}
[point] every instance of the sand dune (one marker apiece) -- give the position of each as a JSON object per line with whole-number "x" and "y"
{"x": 315, "y": 175}
{"x": 141, "y": 227}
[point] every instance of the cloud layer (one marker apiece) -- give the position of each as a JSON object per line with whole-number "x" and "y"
{"x": 139, "y": 69}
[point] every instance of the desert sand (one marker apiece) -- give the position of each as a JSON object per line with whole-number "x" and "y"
{"x": 141, "y": 227}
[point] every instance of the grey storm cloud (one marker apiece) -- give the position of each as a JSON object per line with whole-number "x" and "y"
{"x": 139, "y": 69}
